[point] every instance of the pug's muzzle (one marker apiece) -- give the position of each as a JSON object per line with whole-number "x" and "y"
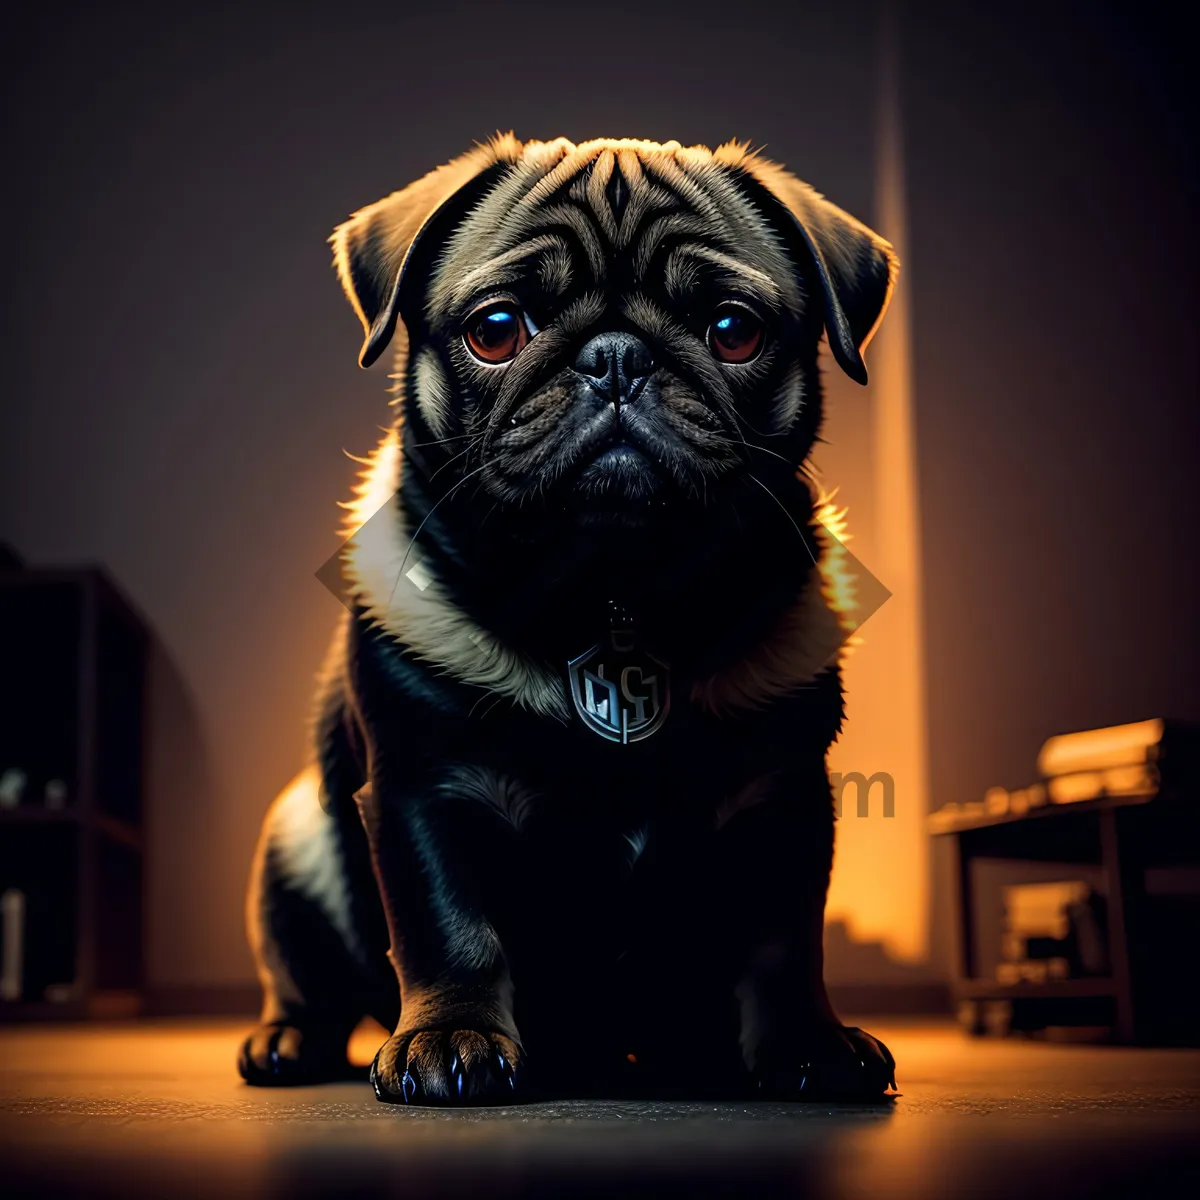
{"x": 618, "y": 445}
{"x": 617, "y": 453}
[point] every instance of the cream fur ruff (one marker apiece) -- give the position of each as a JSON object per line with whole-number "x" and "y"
{"x": 413, "y": 609}
{"x": 304, "y": 838}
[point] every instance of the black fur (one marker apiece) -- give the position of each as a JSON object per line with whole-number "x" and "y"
{"x": 566, "y": 914}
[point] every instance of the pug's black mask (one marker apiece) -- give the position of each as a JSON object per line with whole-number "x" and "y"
{"x": 608, "y": 373}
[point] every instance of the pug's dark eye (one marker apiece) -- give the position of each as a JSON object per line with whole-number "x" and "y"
{"x": 735, "y": 335}
{"x": 497, "y": 332}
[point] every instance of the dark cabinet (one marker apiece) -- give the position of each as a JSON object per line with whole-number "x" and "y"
{"x": 72, "y": 681}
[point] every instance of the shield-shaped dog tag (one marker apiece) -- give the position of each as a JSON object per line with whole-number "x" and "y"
{"x": 620, "y": 691}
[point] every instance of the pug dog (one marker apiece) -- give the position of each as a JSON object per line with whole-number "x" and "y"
{"x": 568, "y": 829}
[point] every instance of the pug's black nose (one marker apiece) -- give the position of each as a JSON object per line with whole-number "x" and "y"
{"x": 616, "y": 365}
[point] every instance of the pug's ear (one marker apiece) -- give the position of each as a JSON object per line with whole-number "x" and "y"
{"x": 856, "y": 267}
{"x": 372, "y": 249}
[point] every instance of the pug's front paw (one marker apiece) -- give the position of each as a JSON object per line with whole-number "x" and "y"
{"x": 456, "y": 1066}
{"x": 827, "y": 1061}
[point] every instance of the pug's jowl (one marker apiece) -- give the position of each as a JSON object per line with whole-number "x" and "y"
{"x": 568, "y": 829}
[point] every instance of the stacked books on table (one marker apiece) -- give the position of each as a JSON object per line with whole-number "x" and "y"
{"x": 1139, "y": 759}
{"x": 1052, "y": 931}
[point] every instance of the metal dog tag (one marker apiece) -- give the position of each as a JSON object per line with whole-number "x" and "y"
{"x": 620, "y": 691}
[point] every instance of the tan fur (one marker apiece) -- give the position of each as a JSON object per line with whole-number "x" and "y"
{"x": 804, "y": 641}
{"x": 279, "y": 989}
{"x": 301, "y": 835}
{"x": 297, "y": 834}
{"x": 424, "y": 620}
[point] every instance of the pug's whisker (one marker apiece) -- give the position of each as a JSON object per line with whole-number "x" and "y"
{"x": 782, "y": 509}
{"x": 763, "y": 449}
{"x": 452, "y": 458}
{"x": 491, "y": 707}
{"x": 413, "y": 540}
{"x": 486, "y": 692}
{"x": 457, "y": 437}
{"x": 755, "y": 430}
{"x": 738, "y": 517}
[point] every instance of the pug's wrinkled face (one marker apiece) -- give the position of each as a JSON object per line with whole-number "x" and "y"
{"x": 618, "y": 335}
{"x": 611, "y": 326}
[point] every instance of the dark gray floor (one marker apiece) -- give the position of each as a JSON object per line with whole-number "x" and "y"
{"x": 155, "y": 1110}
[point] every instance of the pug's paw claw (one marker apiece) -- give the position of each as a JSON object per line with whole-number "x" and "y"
{"x": 827, "y": 1062}
{"x": 446, "y": 1067}
{"x": 506, "y": 1070}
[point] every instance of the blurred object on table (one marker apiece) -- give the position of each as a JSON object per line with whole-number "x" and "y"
{"x": 1106, "y": 942}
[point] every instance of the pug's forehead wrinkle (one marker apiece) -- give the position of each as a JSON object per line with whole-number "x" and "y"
{"x": 655, "y": 205}
{"x": 495, "y": 235}
{"x": 752, "y": 231}
{"x": 670, "y": 225}
{"x": 618, "y": 195}
{"x": 646, "y": 204}
{"x": 686, "y": 186}
{"x": 750, "y": 280}
{"x": 451, "y": 295}
{"x": 577, "y": 221}
{"x": 681, "y": 276}
{"x": 592, "y": 188}
{"x": 469, "y": 243}
{"x": 663, "y": 195}
{"x": 711, "y": 191}
{"x": 576, "y": 193}
{"x": 629, "y": 200}
{"x": 564, "y": 172}
{"x": 555, "y": 271}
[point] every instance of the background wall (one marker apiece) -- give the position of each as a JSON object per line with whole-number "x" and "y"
{"x": 179, "y": 375}
{"x": 1052, "y": 190}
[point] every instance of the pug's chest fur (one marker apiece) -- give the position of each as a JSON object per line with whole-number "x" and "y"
{"x": 557, "y": 778}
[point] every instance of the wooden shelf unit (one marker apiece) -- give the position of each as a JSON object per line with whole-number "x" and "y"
{"x": 73, "y": 656}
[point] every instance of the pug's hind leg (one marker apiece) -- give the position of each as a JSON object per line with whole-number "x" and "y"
{"x": 305, "y": 948}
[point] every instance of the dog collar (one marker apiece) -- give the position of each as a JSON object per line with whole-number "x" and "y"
{"x": 620, "y": 690}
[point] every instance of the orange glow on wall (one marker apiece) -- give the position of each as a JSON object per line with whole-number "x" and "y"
{"x": 880, "y": 885}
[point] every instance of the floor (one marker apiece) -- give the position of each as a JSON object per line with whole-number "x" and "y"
{"x": 155, "y": 1109}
